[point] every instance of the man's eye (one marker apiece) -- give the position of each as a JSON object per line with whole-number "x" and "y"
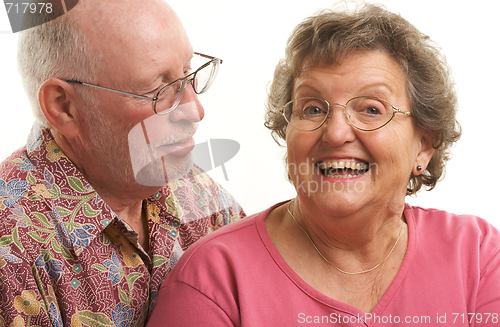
{"x": 156, "y": 90}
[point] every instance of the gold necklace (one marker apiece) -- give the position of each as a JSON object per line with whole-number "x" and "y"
{"x": 331, "y": 264}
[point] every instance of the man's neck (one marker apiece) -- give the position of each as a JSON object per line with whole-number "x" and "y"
{"x": 125, "y": 198}
{"x": 136, "y": 217}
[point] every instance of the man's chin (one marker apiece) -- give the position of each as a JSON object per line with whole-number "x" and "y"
{"x": 159, "y": 172}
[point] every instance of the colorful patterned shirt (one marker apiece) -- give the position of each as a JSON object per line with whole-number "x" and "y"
{"x": 66, "y": 259}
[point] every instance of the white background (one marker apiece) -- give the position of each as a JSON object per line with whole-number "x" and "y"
{"x": 250, "y": 37}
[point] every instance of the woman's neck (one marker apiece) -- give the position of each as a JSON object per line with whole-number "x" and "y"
{"x": 353, "y": 243}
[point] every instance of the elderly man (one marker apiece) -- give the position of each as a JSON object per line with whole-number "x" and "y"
{"x": 102, "y": 201}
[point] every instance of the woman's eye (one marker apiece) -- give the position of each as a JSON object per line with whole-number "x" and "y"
{"x": 313, "y": 110}
{"x": 371, "y": 111}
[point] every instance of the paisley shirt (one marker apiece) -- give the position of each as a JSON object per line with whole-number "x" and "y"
{"x": 66, "y": 259}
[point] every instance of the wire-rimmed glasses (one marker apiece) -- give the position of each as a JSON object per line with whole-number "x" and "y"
{"x": 170, "y": 95}
{"x": 365, "y": 113}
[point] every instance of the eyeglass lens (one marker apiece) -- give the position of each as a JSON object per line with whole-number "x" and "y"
{"x": 170, "y": 96}
{"x": 365, "y": 113}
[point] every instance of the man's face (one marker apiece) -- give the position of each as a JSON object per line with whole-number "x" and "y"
{"x": 128, "y": 141}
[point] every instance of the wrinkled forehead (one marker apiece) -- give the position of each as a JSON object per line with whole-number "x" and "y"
{"x": 319, "y": 58}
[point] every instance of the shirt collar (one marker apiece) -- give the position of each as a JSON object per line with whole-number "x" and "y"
{"x": 79, "y": 214}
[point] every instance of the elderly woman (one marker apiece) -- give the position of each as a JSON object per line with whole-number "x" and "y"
{"x": 366, "y": 106}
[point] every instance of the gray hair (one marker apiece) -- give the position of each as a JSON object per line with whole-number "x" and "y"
{"x": 57, "y": 49}
{"x": 330, "y": 35}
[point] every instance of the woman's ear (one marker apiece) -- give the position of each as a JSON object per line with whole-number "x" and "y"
{"x": 426, "y": 150}
{"x": 57, "y": 101}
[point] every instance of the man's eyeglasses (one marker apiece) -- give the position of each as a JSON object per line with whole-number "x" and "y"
{"x": 364, "y": 113}
{"x": 170, "y": 95}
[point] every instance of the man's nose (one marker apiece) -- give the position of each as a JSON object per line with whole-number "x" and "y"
{"x": 189, "y": 109}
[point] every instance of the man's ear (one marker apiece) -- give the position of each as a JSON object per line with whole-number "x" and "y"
{"x": 57, "y": 101}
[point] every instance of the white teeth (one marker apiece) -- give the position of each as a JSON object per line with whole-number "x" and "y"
{"x": 331, "y": 169}
{"x": 343, "y": 164}
{"x": 342, "y": 176}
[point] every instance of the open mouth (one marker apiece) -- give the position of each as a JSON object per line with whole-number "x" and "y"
{"x": 342, "y": 168}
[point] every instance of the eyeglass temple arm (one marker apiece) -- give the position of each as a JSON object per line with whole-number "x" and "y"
{"x": 397, "y": 110}
{"x": 207, "y": 56}
{"x": 109, "y": 89}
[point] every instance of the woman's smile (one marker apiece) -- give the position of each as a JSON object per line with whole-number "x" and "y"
{"x": 342, "y": 169}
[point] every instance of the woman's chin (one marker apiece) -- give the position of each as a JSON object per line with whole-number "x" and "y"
{"x": 342, "y": 199}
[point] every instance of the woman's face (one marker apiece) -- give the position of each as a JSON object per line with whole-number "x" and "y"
{"x": 390, "y": 153}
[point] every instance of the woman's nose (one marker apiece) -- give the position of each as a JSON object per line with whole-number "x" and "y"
{"x": 337, "y": 129}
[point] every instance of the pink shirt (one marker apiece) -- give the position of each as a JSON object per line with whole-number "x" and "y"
{"x": 236, "y": 277}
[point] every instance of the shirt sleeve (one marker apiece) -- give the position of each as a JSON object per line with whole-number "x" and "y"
{"x": 180, "y": 304}
{"x": 21, "y": 302}
{"x": 487, "y": 312}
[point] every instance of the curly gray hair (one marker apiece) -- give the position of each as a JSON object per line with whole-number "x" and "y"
{"x": 330, "y": 35}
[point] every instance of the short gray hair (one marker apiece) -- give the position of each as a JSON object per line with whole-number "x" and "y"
{"x": 57, "y": 49}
